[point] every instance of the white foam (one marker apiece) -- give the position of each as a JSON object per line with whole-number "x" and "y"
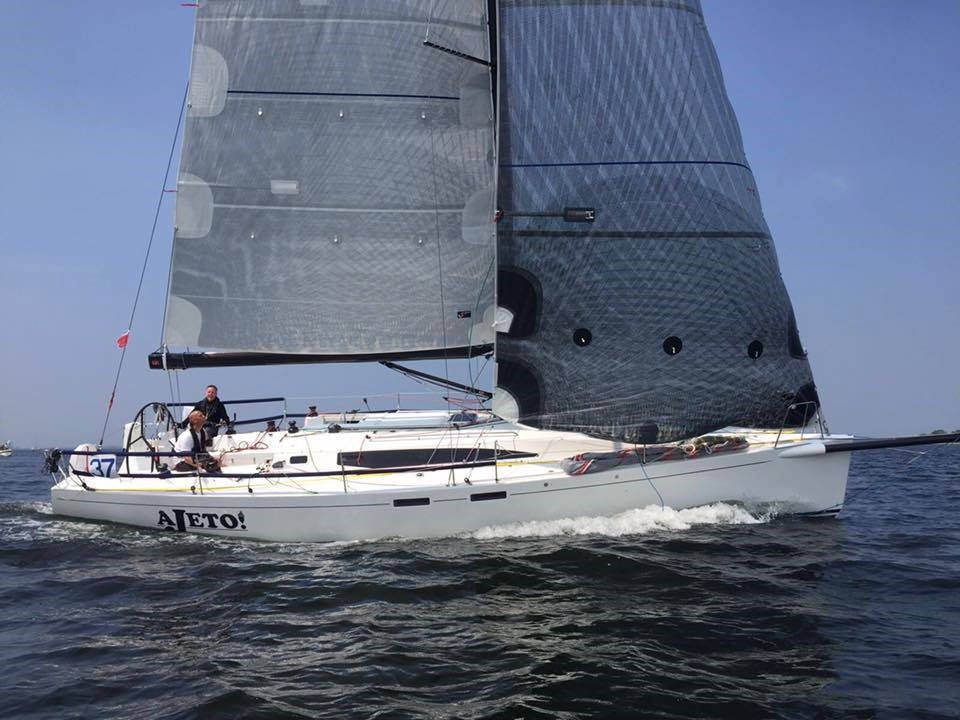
{"x": 632, "y": 522}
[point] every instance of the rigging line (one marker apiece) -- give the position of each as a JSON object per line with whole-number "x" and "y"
{"x": 436, "y": 204}
{"x": 494, "y": 45}
{"x": 474, "y": 379}
{"x": 443, "y": 310}
{"x": 456, "y": 53}
{"x": 427, "y": 42}
{"x": 163, "y": 323}
{"x": 425, "y": 378}
{"x": 924, "y": 453}
{"x": 146, "y": 260}
{"x": 646, "y": 475}
{"x": 486, "y": 361}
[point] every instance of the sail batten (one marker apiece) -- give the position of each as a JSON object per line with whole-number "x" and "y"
{"x": 430, "y": 210}
{"x": 300, "y": 94}
{"x": 414, "y": 21}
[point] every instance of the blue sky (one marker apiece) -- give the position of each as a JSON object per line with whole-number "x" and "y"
{"x": 849, "y": 109}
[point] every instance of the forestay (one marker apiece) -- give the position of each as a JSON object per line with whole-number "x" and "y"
{"x": 666, "y": 316}
{"x": 336, "y": 189}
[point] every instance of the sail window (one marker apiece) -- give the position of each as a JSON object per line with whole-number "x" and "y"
{"x": 672, "y": 345}
{"x": 503, "y": 319}
{"x": 755, "y": 349}
{"x": 284, "y": 187}
{"x": 518, "y": 292}
{"x": 522, "y": 386}
{"x": 505, "y": 405}
{"x": 194, "y": 214}
{"x": 582, "y": 337}
{"x": 209, "y": 80}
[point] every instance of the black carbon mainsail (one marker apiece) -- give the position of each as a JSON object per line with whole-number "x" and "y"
{"x": 665, "y": 316}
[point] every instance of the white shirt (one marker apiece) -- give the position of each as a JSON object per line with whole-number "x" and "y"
{"x": 185, "y": 442}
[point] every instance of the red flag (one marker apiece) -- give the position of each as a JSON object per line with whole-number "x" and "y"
{"x": 122, "y": 340}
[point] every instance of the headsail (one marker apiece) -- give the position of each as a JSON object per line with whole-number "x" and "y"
{"x": 666, "y": 316}
{"x": 336, "y": 189}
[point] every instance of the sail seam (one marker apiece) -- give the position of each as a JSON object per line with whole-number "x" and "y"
{"x": 641, "y": 234}
{"x": 416, "y": 21}
{"x": 299, "y": 93}
{"x": 300, "y": 208}
{"x": 629, "y": 162}
{"x": 294, "y": 301}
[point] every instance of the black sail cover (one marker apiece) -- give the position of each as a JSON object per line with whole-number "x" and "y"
{"x": 337, "y": 180}
{"x": 665, "y": 317}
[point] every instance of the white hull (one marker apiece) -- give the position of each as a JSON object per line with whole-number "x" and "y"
{"x": 291, "y": 504}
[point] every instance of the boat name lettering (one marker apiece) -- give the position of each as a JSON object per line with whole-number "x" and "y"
{"x": 182, "y": 520}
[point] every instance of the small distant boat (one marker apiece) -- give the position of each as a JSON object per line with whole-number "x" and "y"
{"x": 6, "y": 449}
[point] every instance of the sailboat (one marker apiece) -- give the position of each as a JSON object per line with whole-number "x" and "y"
{"x": 6, "y": 449}
{"x": 560, "y": 188}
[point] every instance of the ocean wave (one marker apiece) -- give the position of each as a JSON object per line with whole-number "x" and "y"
{"x": 638, "y": 521}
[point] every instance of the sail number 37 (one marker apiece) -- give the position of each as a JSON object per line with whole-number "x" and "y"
{"x": 103, "y": 465}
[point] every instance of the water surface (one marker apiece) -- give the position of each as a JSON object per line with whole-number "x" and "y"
{"x": 704, "y": 613}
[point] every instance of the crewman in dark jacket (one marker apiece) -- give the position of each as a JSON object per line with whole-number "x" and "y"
{"x": 214, "y": 413}
{"x": 212, "y": 407}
